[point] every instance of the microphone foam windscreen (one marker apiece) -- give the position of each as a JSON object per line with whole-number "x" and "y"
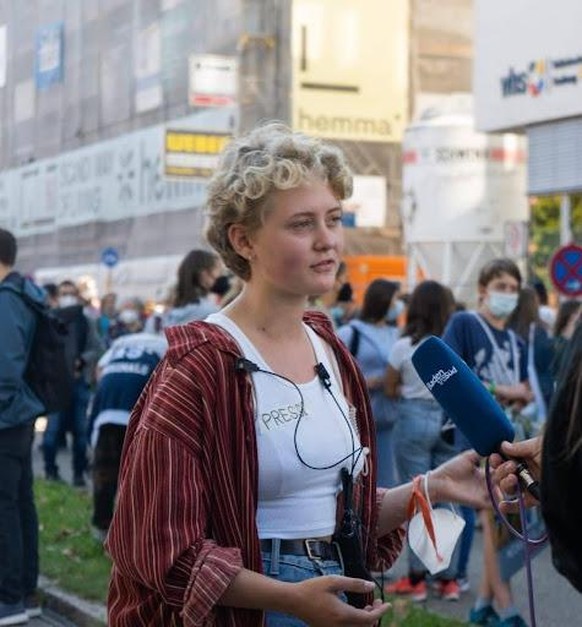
{"x": 462, "y": 395}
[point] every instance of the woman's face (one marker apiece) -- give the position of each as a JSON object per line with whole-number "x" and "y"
{"x": 297, "y": 249}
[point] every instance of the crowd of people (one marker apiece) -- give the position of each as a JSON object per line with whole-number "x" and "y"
{"x": 249, "y": 440}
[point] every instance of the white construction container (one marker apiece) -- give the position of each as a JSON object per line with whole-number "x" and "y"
{"x": 464, "y": 196}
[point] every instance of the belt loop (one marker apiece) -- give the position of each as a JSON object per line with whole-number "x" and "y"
{"x": 275, "y": 552}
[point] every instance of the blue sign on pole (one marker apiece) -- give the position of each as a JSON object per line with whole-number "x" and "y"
{"x": 566, "y": 270}
{"x": 110, "y": 257}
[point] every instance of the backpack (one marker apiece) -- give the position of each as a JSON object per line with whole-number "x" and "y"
{"x": 354, "y": 341}
{"x": 46, "y": 371}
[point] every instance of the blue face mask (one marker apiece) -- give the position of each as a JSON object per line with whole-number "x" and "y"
{"x": 395, "y": 311}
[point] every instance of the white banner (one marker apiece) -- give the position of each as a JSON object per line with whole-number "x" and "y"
{"x": 111, "y": 180}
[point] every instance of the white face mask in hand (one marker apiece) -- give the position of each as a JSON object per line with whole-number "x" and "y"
{"x": 432, "y": 533}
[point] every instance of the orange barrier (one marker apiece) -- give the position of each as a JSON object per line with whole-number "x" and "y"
{"x": 362, "y": 269}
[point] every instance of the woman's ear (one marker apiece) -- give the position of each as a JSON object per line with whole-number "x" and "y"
{"x": 239, "y": 239}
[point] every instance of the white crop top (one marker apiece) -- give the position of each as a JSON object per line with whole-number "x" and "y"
{"x": 296, "y": 501}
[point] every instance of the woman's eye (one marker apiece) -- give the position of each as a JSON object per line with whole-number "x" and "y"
{"x": 335, "y": 220}
{"x": 304, "y": 224}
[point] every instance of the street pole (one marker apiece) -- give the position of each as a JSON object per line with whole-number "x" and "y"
{"x": 565, "y": 213}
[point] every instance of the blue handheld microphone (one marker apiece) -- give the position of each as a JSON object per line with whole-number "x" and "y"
{"x": 467, "y": 402}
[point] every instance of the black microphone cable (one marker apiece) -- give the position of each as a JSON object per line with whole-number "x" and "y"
{"x": 323, "y": 375}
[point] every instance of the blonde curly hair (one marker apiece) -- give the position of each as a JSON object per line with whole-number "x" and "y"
{"x": 270, "y": 157}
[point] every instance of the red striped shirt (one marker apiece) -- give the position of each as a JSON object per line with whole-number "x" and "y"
{"x": 185, "y": 520}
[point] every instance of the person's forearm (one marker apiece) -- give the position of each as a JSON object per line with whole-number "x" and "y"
{"x": 393, "y": 511}
{"x": 251, "y": 590}
{"x": 519, "y": 392}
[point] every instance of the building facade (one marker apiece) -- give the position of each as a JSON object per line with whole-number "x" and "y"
{"x": 112, "y": 113}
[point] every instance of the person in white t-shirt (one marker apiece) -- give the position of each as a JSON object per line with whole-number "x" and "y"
{"x": 419, "y": 441}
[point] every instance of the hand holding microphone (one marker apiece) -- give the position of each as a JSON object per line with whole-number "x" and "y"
{"x": 469, "y": 405}
{"x": 505, "y": 471}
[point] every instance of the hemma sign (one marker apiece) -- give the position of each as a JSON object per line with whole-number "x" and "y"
{"x": 341, "y": 90}
{"x": 339, "y": 126}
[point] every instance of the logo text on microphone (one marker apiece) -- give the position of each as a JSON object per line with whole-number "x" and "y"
{"x": 441, "y": 377}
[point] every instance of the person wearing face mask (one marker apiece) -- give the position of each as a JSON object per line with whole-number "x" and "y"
{"x": 197, "y": 275}
{"x": 498, "y": 357}
{"x": 122, "y": 373}
{"x": 397, "y": 308}
{"x": 82, "y": 348}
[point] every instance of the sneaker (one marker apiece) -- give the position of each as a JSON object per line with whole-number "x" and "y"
{"x": 403, "y": 586}
{"x": 512, "y": 621}
{"x": 32, "y": 606}
{"x": 464, "y": 584}
{"x": 54, "y": 476}
{"x": 449, "y": 590}
{"x": 98, "y": 534}
{"x": 484, "y": 616}
{"x": 12, "y": 614}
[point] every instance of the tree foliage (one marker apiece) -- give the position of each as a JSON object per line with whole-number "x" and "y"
{"x": 545, "y": 233}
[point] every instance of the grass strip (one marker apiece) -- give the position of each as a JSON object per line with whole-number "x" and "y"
{"x": 404, "y": 613}
{"x": 69, "y": 555}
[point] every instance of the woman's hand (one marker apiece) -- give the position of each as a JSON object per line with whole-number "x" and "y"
{"x": 460, "y": 480}
{"x": 504, "y": 476}
{"x": 318, "y": 603}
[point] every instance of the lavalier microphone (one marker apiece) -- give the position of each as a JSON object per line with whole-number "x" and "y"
{"x": 323, "y": 375}
{"x": 246, "y": 365}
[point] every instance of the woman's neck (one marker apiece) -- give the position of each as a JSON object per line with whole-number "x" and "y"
{"x": 270, "y": 317}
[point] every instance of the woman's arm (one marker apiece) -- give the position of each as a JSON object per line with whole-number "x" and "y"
{"x": 314, "y": 601}
{"x": 459, "y": 481}
{"x": 392, "y": 382}
{"x": 520, "y": 392}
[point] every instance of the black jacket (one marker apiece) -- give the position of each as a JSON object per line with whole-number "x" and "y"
{"x": 562, "y": 475}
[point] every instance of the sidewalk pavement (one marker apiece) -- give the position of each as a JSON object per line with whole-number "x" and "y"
{"x": 78, "y": 611}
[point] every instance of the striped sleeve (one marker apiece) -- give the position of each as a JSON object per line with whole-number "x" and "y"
{"x": 157, "y": 537}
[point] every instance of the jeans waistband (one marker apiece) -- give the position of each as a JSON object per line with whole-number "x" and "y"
{"x": 316, "y": 551}
{"x": 309, "y": 547}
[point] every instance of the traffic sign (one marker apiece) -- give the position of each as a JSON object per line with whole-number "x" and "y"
{"x": 566, "y": 270}
{"x": 110, "y": 257}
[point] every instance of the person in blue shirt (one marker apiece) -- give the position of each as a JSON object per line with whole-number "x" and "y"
{"x": 498, "y": 357}
{"x": 370, "y": 339}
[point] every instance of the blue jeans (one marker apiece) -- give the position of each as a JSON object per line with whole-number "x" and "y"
{"x": 293, "y": 569}
{"x": 386, "y": 475}
{"x": 466, "y": 541}
{"x": 74, "y": 418}
{"x": 419, "y": 447}
{"x": 18, "y": 520}
{"x": 469, "y": 514}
